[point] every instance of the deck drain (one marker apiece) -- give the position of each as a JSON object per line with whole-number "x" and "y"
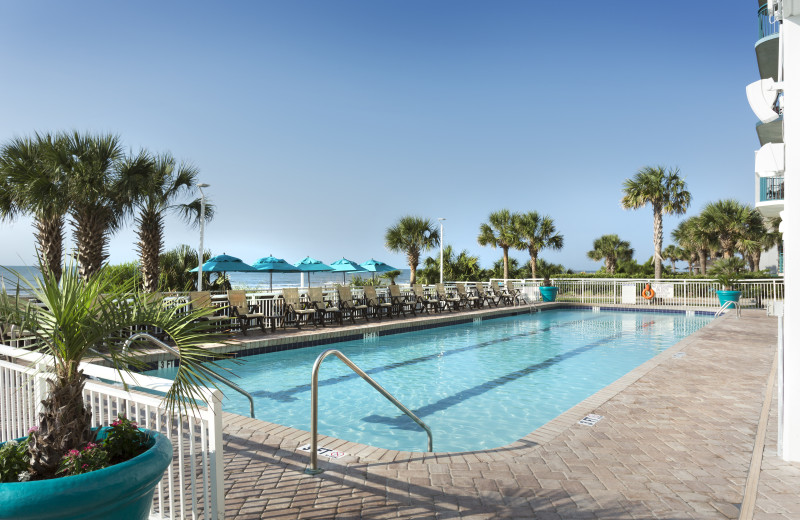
{"x": 590, "y": 420}
{"x": 679, "y": 355}
{"x": 327, "y": 452}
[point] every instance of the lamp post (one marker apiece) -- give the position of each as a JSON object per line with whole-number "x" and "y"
{"x": 202, "y": 228}
{"x": 441, "y": 249}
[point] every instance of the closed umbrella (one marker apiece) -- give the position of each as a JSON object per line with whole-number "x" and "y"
{"x": 309, "y": 265}
{"x": 346, "y": 266}
{"x": 376, "y": 266}
{"x": 274, "y": 265}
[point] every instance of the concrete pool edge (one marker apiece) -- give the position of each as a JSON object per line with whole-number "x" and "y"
{"x": 292, "y": 438}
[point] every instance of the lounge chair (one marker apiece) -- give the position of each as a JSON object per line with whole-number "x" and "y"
{"x": 324, "y": 307}
{"x": 468, "y": 298}
{"x": 202, "y": 300}
{"x": 401, "y": 303}
{"x": 349, "y": 305}
{"x": 424, "y": 300}
{"x": 489, "y": 298}
{"x": 377, "y": 303}
{"x": 242, "y": 312}
{"x": 294, "y": 308}
{"x": 506, "y": 296}
{"x": 451, "y": 303}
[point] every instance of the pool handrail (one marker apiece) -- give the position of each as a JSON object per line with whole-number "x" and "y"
{"x": 210, "y": 373}
{"x": 730, "y": 303}
{"x": 314, "y": 470}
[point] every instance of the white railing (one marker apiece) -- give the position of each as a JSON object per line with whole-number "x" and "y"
{"x": 690, "y": 292}
{"x": 192, "y": 486}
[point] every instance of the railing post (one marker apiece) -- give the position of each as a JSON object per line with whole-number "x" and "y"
{"x": 582, "y": 290}
{"x": 40, "y": 387}
{"x": 216, "y": 461}
{"x": 686, "y": 293}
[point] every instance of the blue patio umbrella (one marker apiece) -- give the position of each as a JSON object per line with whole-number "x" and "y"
{"x": 224, "y": 264}
{"x": 309, "y": 265}
{"x": 376, "y": 266}
{"x": 346, "y": 266}
{"x": 274, "y": 265}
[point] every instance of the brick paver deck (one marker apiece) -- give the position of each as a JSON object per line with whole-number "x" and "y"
{"x": 676, "y": 442}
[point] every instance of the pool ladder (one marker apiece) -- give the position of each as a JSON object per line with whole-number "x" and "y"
{"x": 314, "y": 470}
{"x": 730, "y": 303}
{"x": 210, "y": 373}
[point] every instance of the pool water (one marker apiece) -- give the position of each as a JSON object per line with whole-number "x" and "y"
{"x": 477, "y": 386}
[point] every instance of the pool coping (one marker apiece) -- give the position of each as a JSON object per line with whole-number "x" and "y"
{"x": 293, "y": 438}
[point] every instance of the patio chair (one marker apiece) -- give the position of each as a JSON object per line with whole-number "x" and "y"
{"x": 242, "y": 312}
{"x": 489, "y": 298}
{"x": 400, "y": 302}
{"x": 506, "y": 296}
{"x": 450, "y": 303}
{"x": 324, "y": 307}
{"x": 293, "y": 307}
{"x": 202, "y": 300}
{"x": 349, "y": 305}
{"x": 424, "y": 300}
{"x": 468, "y": 298}
{"x": 377, "y": 303}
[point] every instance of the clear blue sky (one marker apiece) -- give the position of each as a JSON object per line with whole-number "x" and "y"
{"x": 318, "y": 123}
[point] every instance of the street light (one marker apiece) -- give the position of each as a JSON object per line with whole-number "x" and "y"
{"x": 441, "y": 249}
{"x": 202, "y": 226}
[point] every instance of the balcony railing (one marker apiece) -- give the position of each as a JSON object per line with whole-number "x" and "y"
{"x": 771, "y": 188}
{"x": 766, "y": 26}
{"x": 780, "y": 262}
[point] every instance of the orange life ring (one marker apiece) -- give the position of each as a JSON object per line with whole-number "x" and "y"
{"x": 648, "y": 293}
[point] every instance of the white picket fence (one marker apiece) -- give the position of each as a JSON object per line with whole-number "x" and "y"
{"x": 192, "y": 486}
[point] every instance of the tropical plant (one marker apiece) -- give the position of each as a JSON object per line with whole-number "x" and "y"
{"x": 412, "y": 235}
{"x": 456, "y": 267}
{"x": 357, "y": 280}
{"x": 727, "y": 220}
{"x": 612, "y": 250}
{"x": 501, "y": 267}
{"x": 126, "y": 274}
{"x": 390, "y": 275}
{"x": 500, "y": 232}
{"x": 546, "y": 270}
{"x": 727, "y": 272}
{"x": 536, "y": 233}
{"x": 672, "y": 253}
{"x": 31, "y": 184}
{"x": 155, "y": 193}
{"x": 175, "y": 269}
{"x": 77, "y": 315}
{"x": 665, "y": 191}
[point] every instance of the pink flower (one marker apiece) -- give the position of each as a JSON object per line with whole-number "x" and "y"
{"x": 73, "y": 453}
{"x": 33, "y": 429}
{"x": 116, "y": 423}
{"x": 134, "y": 425}
{"x": 85, "y": 466}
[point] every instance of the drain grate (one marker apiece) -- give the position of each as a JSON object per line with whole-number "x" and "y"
{"x": 590, "y": 420}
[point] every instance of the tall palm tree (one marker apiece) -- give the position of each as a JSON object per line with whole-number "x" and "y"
{"x": 412, "y": 235}
{"x": 672, "y": 253}
{"x": 536, "y": 233}
{"x": 155, "y": 194}
{"x": 728, "y": 221}
{"x": 612, "y": 250}
{"x": 665, "y": 191}
{"x": 462, "y": 266}
{"x": 98, "y": 194}
{"x": 30, "y": 184}
{"x": 755, "y": 239}
{"x": 703, "y": 241}
{"x": 500, "y": 232}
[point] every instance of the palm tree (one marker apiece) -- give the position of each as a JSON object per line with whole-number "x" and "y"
{"x": 672, "y": 253}
{"x": 611, "y": 249}
{"x": 30, "y": 184}
{"x": 462, "y": 266}
{"x": 536, "y": 233}
{"x": 97, "y": 190}
{"x": 175, "y": 265}
{"x": 728, "y": 221}
{"x": 704, "y": 242}
{"x": 500, "y": 232}
{"x": 155, "y": 193}
{"x": 754, "y": 239}
{"x": 71, "y": 323}
{"x": 412, "y": 235}
{"x": 665, "y": 191}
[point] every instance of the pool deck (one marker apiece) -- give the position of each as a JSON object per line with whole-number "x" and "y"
{"x": 676, "y": 441}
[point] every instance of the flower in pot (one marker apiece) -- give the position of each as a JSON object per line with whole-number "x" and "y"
{"x": 547, "y": 289}
{"x": 726, "y": 273}
{"x": 76, "y": 318}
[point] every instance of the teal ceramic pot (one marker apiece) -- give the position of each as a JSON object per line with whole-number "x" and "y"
{"x": 124, "y": 490}
{"x": 548, "y": 293}
{"x": 728, "y": 296}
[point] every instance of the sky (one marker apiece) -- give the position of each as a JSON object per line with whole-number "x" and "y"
{"x": 319, "y": 124}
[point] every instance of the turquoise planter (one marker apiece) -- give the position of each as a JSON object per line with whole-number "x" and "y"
{"x": 548, "y": 293}
{"x": 121, "y": 491}
{"x": 728, "y": 296}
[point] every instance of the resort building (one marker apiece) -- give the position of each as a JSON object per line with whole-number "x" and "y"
{"x": 775, "y": 99}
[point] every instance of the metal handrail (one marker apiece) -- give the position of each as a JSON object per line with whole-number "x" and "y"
{"x": 727, "y": 304}
{"x": 210, "y": 373}
{"x": 313, "y": 470}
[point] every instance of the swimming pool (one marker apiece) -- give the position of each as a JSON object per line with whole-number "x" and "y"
{"x": 477, "y": 386}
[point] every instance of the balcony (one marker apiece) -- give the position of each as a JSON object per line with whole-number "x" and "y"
{"x": 769, "y": 200}
{"x": 767, "y": 45}
{"x": 771, "y": 132}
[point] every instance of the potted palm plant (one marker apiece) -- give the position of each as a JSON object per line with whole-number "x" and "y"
{"x": 75, "y": 318}
{"x": 547, "y": 289}
{"x": 726, "y": 273}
